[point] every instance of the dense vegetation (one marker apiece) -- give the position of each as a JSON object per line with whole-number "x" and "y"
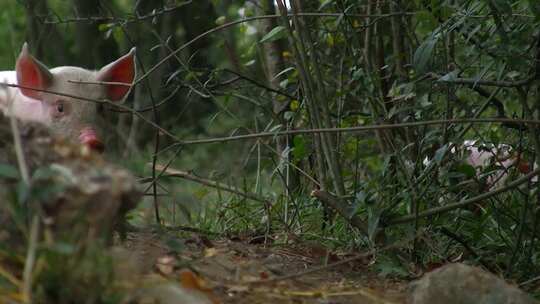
{"x": 236, "y": 86}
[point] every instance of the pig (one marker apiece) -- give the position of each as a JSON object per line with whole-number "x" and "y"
{"x": 491, "y": 162}
{"x": 500, "y": 157}
{"x": 74, "y": 119}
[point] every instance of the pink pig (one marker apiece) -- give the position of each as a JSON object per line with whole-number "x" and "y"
{"x": 481, "y": 157}
{"x": 499, "y": 159}
{"x": 72, "y": 118}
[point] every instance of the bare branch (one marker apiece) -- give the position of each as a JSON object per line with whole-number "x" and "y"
{"x": 476, "y": 199}
{"x": 169, "y": 172}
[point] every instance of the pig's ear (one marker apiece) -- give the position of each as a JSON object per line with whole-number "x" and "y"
{"x": 122, "y": 70}
{"x": 32, "y": 74}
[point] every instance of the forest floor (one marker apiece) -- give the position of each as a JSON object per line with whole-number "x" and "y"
{"x": 236, "y": 270}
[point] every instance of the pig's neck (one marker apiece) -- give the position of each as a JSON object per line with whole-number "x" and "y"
{"x": 13, "y": 102}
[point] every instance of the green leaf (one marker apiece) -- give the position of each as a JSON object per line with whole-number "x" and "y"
{"x": 104, "y": 27}
{"x": 23, "y": 192}
{"x": 374, "y": 217}
{"x": 275, "y": 128}
{"x": 221, "y": 20}
{"x": 44, "y": 173}
{"x": 423, "y": 54}
{"x": 440, "y": 153}
{"x": 46, "y": 193}
{"x": 299, "y": 151}
{"x": 450, "y": 76}
{"x": 386, "y": 164}
{"x": 62, "y": 248}
{"x": 427, "y": 23}
{"x": 361, "y": 197}
{"x": 285, "y": 71}
{"x": 534, "y": 6}
{"x": 8, "y": 171}
{"x": 288, "y": 115}
{"x": 175, "y": 245}
{"x": 201, "y": 193}
{"x": 108, "y": 33}
{"x": 466, "y": 169}
{"x": 502, "y": 6}
{"x": 276, "y": 33}
{"x": 455, "y": 175}
{"x": 324, "y": 4}
{"x": 388, "y": 266}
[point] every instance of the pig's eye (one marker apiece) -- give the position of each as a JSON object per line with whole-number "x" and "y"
{"x": 60, "y": 108}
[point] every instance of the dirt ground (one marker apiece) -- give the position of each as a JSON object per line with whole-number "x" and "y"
{"x": 232, "y": 270}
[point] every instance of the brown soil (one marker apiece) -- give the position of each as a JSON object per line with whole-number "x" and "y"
{"x": 238, "y": 271}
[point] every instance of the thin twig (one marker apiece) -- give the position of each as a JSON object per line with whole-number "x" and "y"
{"x": 30, "y": 259}
{"x": 258, "y": 84}
{"x": 151, "y": 15}
{"x": 453, "y": 206}
{"x": 493, "y": 83}
{"x": 535, "y": 279}
{"x": 340, "y": 206}
{"x": 112, "y": 104}
{"x": 168, "y": 10}
{"x": 169, "y": 172}
{"x": 101, "y": 83}
{"x": 358, "y": 129}
{"x": 21, "y": 161}
{"x": 229, "y": 24}
{"x": 151, "y": 108}
{"x": 332, "y": 265}
{"x": 463, "y": 243}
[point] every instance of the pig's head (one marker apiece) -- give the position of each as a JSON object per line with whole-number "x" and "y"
{"x": 77, "y": 120}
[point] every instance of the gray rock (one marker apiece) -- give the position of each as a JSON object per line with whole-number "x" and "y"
{"x": 463, "y": 284}
{"x": 77, "y": 192}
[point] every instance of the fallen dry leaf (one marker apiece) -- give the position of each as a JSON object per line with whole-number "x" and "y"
{"x": 190, "y": 280}
{"x": 210, "y": 252}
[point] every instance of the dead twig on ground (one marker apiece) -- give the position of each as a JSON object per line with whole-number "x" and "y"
{"x": 332, "y": 265}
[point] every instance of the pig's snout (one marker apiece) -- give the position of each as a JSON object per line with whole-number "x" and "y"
{"x": 89, "y": 138}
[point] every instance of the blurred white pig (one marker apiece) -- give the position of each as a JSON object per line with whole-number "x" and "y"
{"x": 492, "y": 163}
{"x": 75, "y": 119}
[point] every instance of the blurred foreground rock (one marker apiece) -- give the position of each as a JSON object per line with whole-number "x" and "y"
{"x": 73, "y": 188}
{"x": 463, "y": 284}
{"x": 80, "y": 199}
